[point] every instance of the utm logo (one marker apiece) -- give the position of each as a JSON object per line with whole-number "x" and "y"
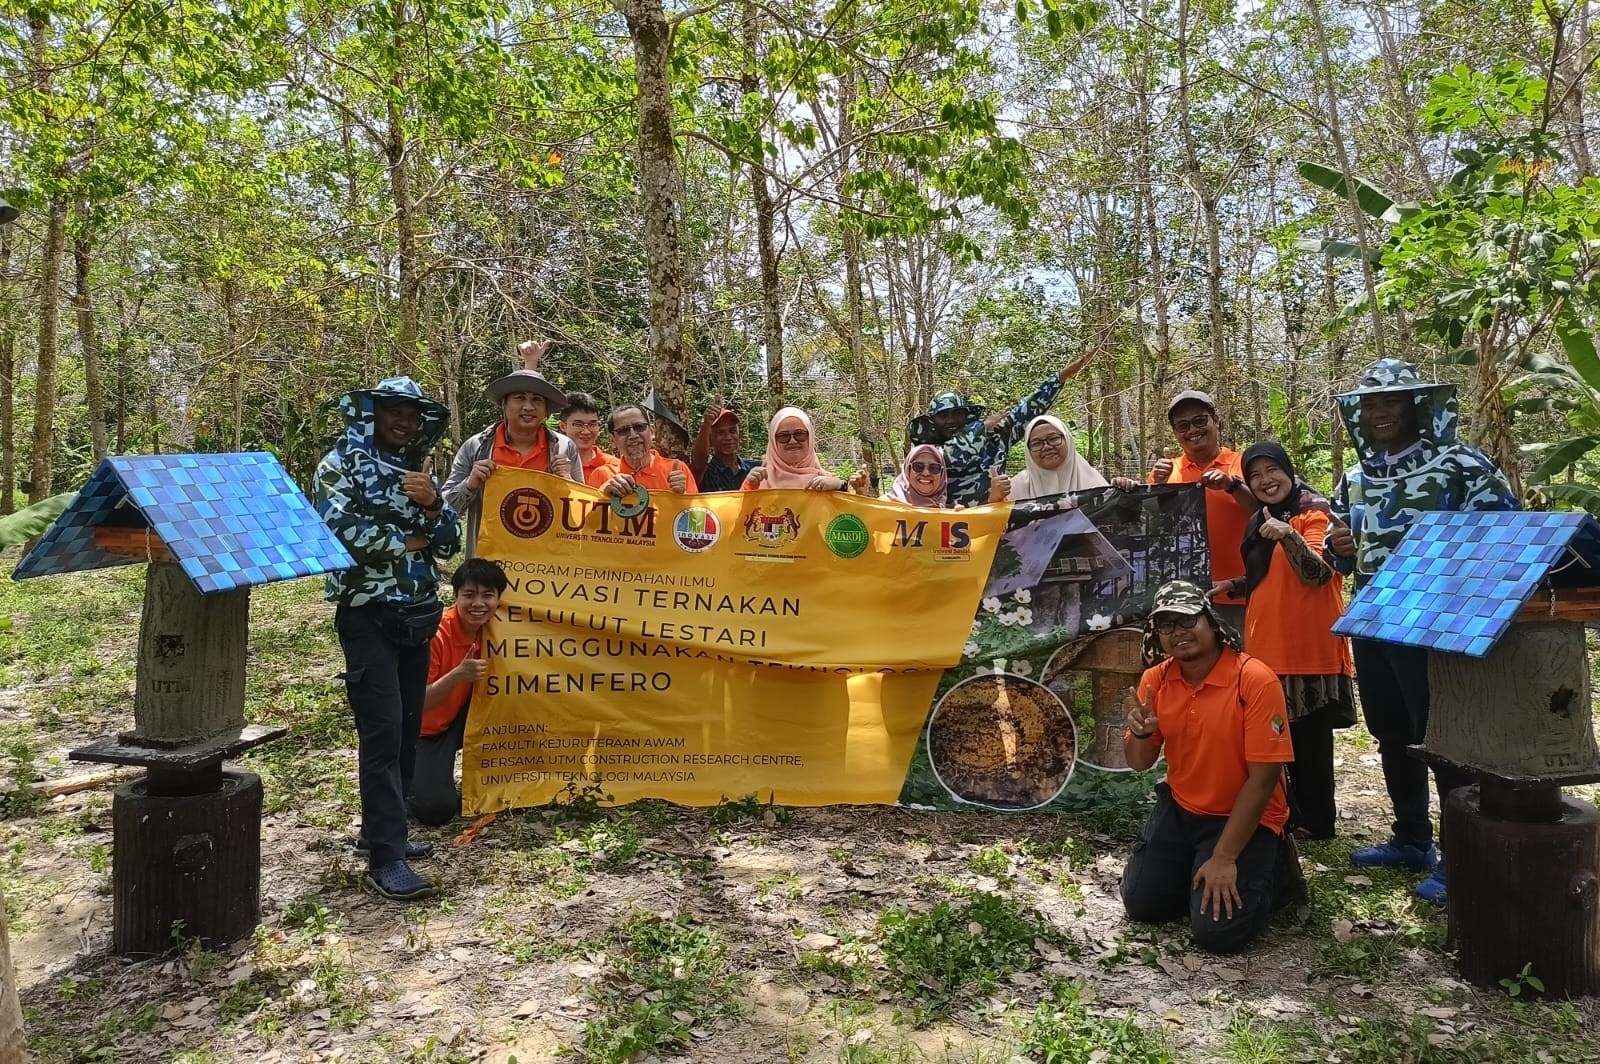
{"x": 527, "y": 513}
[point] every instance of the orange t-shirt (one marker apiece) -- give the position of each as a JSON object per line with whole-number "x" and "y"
{"x": 600, "y": 463}
{"x": 653, "y": 475}
{"x": 450, "y": 648}
{"x": 1287, "y": 621}
{"x": 1225, "y": 519}
{"x": 508, "y": 456}
{"x": 1210, "y": 737}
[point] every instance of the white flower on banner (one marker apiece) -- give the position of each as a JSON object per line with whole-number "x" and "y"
{"x": 1007, "y": 619}
{"x": 982, "y": 670}
{"x": 977, "y": 626}
{"x": 1099, "y": 622}
{"x": 1021, "y": 668}
{"x": 991, "y": 605}
{"x": 1023, "y": 595}
{"x": 970, "y": 650}
{"x": 1024, "y": 616}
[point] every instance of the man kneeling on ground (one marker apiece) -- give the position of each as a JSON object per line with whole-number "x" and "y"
{"x": 455, "y": 665}
{"x": 1211, "y": 847}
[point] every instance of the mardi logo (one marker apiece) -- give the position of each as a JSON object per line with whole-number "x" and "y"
{"x": 527, "y": 513}
{"x": 847, "y": 536}
{"x": 696, "y": 530}
{"x": 772, "y": 530}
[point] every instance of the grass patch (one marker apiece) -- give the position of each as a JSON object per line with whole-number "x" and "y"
{"x": 749, "y": 808}
{"x": 668, "y": 979}
{"x": 939, "y": 958}
{"x": 1061, "y": 1031}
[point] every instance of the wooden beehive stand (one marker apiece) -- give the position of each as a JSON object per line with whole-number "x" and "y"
{"x": 187, "y": 853}
{"x": 1523, "y": 860}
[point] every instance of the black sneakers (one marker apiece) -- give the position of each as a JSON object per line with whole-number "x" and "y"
{"x": 397, "y": 882}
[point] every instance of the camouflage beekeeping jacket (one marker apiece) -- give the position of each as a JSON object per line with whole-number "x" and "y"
{"x": 358, "y": 494}
{"x": 1381, "y": 496}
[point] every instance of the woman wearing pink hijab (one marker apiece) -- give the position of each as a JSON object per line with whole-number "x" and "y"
{"x": 924, "y": 480}
{"x": 791, "y": 460}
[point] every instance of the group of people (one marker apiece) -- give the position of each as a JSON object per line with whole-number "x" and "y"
{"x": 1246, "y": 684}
{"x": 1246, "y": 724}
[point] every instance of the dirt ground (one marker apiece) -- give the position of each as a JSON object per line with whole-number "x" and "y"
{"x": 763, "y": 934}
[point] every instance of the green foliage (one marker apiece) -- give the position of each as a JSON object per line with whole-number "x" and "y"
{"x": 1523, "y": 981}
{"x": 939, "y": 958}
{"x": 750, "y": 807}
{"x": 668, "y": 978}
{"x": 32, "y": 520}
{"x": 1061, "y": 1031}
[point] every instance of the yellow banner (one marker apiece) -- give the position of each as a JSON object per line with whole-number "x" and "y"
{"x": 701, "y": 647}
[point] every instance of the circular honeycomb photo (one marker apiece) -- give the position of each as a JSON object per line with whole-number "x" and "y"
{"x": 1002, "y": 742}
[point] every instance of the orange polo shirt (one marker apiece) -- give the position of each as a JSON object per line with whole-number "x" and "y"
{"x": 450, "y": 648}
{"x": 509, "y": 457}
{"x": 1225, "y": 519}
{"x": 652, "y": 475}
{"x": 1209, "y": 737}
{"x": 594, "y": 466}
{"x": 1287, "y": 621}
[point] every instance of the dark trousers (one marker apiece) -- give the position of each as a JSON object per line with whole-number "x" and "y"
{"x": 434, "y": 799}
{"x": 1393, "y": 680}
{"x": 1311, "y": 774}
{"x": 1171, "y": 847}
{"x": 385, "y": 682}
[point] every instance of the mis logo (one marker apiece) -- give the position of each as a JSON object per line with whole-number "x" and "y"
{"x": 772, "y": 530}
{"x": 696, "y": 530}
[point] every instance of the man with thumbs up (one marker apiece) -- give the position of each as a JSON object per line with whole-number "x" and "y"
{"x": 375, "y": 490}
{"x": 455, "y": 665}
{"x": 1229, "y": 504}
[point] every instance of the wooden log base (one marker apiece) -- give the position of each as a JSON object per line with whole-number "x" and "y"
{"x": 135, "y": 544}
{"x": 185, "y": 868}
{"x": 1525, "y": 893}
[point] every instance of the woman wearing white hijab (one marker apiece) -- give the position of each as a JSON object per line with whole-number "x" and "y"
{"x": 1054, "y": 466}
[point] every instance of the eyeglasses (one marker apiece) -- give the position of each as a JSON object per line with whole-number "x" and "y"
{"x": 631, "y": 430}
{"x": 583, "y": 423}
{"x": 1168, "y": 625}
{"x": 1045, "y": 443}
{"x": 926, "y": 467}
{"x": 792, "y": 436}
{"x": 1199, "y": 421}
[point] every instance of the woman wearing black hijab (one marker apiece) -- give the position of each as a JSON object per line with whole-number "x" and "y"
{"x": 1293, "y": 600}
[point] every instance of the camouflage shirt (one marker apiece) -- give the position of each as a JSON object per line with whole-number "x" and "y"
{"x": 972, "y": 452}
{"x": 358, "y": 494}
{"x": 1382, "y": 495}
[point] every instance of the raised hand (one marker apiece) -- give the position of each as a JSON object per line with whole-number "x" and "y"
{"x": 1272, "y": 528}
{"x": 560, "y": 465}
{"x": 676, "y": 479}
{"x": 531, "y": 351}
{"x": 419, "y": 486}
{"x": 1341, "y": 541}
{"x": 1140, "y": 718}
{"x": 1162, "y": 470}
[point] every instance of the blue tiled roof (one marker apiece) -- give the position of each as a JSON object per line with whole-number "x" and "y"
{"x": 231, "y": 521}
{"x": 1457, "y": 579}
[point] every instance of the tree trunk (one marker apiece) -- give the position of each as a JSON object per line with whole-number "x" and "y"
{"x": 8, "y": 381}
{"x": 190, "y": 679}
{"x": 1206, "y": 197}
{"x": 88, "y": 335}
{"x": 658, "y": 183}
{"x": 44, "y": 378}
{"x": 13, "y": 1042}
{"x": 850, "y": 238}
{"x": 761, "y": 197}
{"x": 396, "y": 151}
{"x": 1342, "y": 156}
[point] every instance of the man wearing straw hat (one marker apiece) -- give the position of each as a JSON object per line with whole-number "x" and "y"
{"x": 519, "y": 440}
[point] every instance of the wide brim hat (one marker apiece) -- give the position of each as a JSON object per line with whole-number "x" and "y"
{"x": 525, "y": 380}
